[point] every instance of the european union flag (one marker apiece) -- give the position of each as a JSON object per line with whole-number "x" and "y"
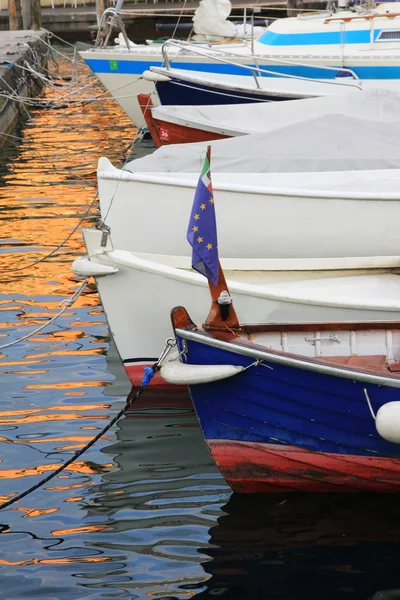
{"x": 202, "y": 230}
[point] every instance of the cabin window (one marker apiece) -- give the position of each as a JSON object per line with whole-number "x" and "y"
{"x": 389, "y": 35}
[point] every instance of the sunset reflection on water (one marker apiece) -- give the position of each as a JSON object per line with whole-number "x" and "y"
{"x": 143, "y": 514}
{"x": 105, "y": 521}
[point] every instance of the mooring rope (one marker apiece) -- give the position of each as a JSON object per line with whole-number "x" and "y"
{"x": 73, "y": 458}
{"x": 139, "y": 136}
{"x": 68, "y": 302}
{"x": 43, "y": 258}
{"x": 132, "y": 397}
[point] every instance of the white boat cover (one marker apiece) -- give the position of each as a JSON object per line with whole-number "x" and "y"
{"x": 359, "y": 131}
{"x": 240, "y": 119}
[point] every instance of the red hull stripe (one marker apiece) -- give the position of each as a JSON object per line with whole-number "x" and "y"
{"x": 179, "y": 134}
{"x": 251, "y": 467}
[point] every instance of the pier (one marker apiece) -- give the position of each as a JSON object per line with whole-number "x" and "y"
{"x": 141, "y": 18}
{"x": 23, "y": 57}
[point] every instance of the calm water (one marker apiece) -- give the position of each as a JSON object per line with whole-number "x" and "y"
{"x": 145, "y": 513}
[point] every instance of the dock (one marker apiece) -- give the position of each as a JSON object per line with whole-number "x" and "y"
{"x": 141, "y": 18}
{"x": 22, "y": 55}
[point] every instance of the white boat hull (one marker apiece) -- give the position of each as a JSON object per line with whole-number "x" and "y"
{"x": 138, "y": 295}
{"x": 267, "y": 215}
{"x": 124, "y": 88}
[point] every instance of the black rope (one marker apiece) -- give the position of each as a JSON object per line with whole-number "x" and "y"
{"x": 132, "y": 397}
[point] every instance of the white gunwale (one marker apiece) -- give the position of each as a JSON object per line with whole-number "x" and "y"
{"x": 315, "y": 365}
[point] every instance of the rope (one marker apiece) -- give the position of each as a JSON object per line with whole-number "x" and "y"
{"x": 148, "y": 376}
{"x": 51, "y": 34}
{"x": 67, "y": 303}
{"x": 71, "y": 60}
{"x": 36, "y": 262}
{"x": 129, "y": 402}
{"x": 139, "y": 135}
{"x": 369, "y": 404}
{"x": 179, "y": 19}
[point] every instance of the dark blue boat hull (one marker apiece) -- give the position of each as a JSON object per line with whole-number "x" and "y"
{"x": 180, "y": 92}
{"x": 274, "y": 427}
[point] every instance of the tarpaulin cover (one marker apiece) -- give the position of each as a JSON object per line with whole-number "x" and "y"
{"x": 357, "y": 131}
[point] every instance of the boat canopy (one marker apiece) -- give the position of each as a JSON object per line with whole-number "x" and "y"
{"x": 357, "y": 131}
{"x": 240, "y": 119}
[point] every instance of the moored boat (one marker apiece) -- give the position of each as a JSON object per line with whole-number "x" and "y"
{"x": 186, "y": 87}
{"x": 304, "y": 407}
{"x": 185, "y": 124}
{"x": 287, "y": 406}
{"x": 137, "y": 292}
{"x": 333, "y": 195}
{"x": 165, "y": 130}
{"x": 360, "y": 39}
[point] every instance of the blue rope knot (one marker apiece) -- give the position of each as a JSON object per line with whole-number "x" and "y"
{"x": 148, "y": 376}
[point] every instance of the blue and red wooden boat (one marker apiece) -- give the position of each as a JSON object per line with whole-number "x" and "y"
{"x": 280, "y": 419}
{"x": 287, "y": 407}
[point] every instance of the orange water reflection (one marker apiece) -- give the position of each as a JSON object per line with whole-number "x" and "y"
{"x": 83, "y": 529}
{"x": 77, "y": 407}
{"x": 53, "y": 561}
{"x": 77, "y": 467}
{"x": 35, "y": 512}
{"x": 51, "y": 185}
{"x": 44, "y": 192}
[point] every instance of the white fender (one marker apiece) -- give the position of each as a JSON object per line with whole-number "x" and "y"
{"x": 388, "y": 422}
{"x": 179, "y": 373}
{"x": 84, "y": 266}
{"x": 150, "y": 76}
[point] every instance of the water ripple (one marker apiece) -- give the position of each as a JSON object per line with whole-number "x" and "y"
{"x": 128, "y": 518}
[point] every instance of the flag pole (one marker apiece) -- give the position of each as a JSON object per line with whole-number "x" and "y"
{"x": 222, "y": 316}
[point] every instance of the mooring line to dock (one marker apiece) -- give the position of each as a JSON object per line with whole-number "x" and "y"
{"x": 132, "y": 397}
{"x": 52, "y": 34}
{"x": 68, "y": 302}
{"x": 48, "y": 79}
{"x": 129, "y": 402}
{"x": 139, "y": 136}
{"x": 43, "y": 258}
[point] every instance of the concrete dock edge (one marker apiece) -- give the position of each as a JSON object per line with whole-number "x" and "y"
{"x": 16, "y": 49}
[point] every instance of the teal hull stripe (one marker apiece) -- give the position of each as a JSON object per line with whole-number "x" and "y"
{"x": 133, "y": 67}
{"x": 320, "y": 38}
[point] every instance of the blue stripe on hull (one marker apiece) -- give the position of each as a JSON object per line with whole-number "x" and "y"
{"x": 289, "y": 406}
{"x": 318, "y": 38}
{"x": 134, "y": 67}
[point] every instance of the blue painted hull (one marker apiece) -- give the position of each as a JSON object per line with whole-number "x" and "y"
{"x": 178, "y": 92}
{"x": 287, "y": 428}
{"x": 137, "y": 67}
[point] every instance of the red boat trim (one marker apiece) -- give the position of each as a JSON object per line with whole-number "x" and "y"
{"x": 251, "y": 467}
{"x": 135, "y": 372}
{"x": 165, "y": 132}
{"x": 146, "y": 105}
{"x": 172, "y": 133}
